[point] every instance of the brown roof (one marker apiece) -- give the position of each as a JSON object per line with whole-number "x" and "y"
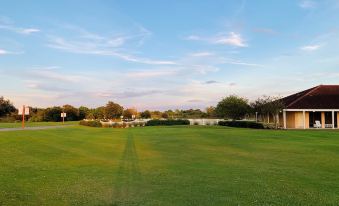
{"x": 319, "y": 97}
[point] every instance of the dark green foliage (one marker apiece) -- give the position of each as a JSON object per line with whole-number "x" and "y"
{"x": 52, "y": 114}
{"x": 169, "y": 122}
{"x": 92, "y": 123}
{"x": 232, "y": 107}
{"x": 113, "y": 110}
{"x": 6, "y": 107}
{"x": 83, "y": 112}
{"x": 145, "y": 114}
{"x": 242, "y": 124}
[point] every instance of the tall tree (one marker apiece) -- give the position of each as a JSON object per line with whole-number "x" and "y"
{"x": 6, "y": 107}
{"x": 128, "y": 113}
{"x": 72, "y": 113}
{"x": 145, "y": 114}
{"x": 83, "y": 112}
{"x": 232, "y": 107}
{"x": 113, "y": 110}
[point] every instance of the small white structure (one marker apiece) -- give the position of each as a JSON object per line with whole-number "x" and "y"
{"x": 204, "y": 122}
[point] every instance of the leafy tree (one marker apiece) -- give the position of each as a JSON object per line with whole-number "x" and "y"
{"x": 6, "y": 107}
{"x": 145, "y": 114}
{"x": 113, "y": 110}
{"x": 72, "y": 113}
{"x": 99, "y": 113}
{"x": 266, "y": 106}
{"x": 232, "y": 107}
{"x": 164, "y": 115}
{"x": 52, "y": 114}
{"x": 210, "y": 111}
{"x": 83, "y": 112}
{"x": 128, "y": 113}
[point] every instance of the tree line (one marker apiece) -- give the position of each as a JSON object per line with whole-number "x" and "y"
{"x": 231, "y": 107}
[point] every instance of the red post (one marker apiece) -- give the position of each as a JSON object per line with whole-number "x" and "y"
{"x": 23, "y": 117}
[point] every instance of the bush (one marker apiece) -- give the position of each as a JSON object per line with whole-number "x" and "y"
{"x": 242, "y": 124}
{"x": 156, "y": 122}
{"x": 92, "y": 123}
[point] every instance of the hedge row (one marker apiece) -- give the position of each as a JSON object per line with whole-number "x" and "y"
{"x": 242, "y": 124}
{"x": 156, "y": 122}
{"x": 91, "y": 123}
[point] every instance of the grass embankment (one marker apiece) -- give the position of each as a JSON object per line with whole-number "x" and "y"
{"x": 169, "y": 166}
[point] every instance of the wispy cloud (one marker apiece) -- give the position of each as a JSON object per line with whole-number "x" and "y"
{"x": 51, "y": 73}
{"x": 201, "y": 54}
{"x": 6, "y": 52}
{"x": 3, "y": 52}
{"x": 307, "y": 4}
{"x": 150, "y": 73}
{"x": 265, "y": 31}
{"x": 89, "y": 43}
{"x": 312, "y": 47}
{"x": 211, "y": 82}
{"x": 231, "y": 39}
{"x": 8, "y": 25}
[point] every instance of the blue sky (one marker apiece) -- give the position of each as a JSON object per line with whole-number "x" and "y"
{"x": 164, "y": 54}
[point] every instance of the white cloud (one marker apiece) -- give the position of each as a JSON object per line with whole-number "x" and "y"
{"x": 231, "y": 39}
{"x": 28, "y": 30}
{"x": 150, "y": 73}
{"x": 310, "y": 48}
{"x": 201, "y": 54}
{"x": 307, "y": 4}
{"x": 3, "y": 52}
{"x": 89, "y": 43}
{"x": 8, "y": 25}
{"x": 6, "y": 52}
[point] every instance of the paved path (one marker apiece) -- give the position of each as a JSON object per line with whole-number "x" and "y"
{"x": 33, "y": 128}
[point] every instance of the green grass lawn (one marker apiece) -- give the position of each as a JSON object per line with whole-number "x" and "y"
{"x": 36, "y": 124}
{"x": 169, "y": 166}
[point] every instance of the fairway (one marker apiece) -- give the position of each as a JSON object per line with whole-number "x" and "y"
{"x": 169, "y": 166}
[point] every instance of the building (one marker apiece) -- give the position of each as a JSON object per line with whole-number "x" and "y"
{"x": 317, "y": 107}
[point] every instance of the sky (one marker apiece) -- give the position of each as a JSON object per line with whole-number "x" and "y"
{"x": 162, "y": 54}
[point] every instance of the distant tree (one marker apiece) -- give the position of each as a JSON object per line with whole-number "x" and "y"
{"x": 113, "y": 110}
{"x": 99, "y": 113}
{"x": 266, "y": 106}
{"x": 52, "y": 114}
{"x": 83, "y": 112}
{"x": 145, "y": 114}
{"x": 210, "y": 111}
{"x": 164, "y": 115}
{"x": 72, "y": 113}
{"x": 6, "y": 107}
{"x": 232, "y": 107}
{"x": 128, "y": 113}
{"x": 156, "y": 114}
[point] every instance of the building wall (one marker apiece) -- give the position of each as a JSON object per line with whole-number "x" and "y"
{"x": 299, "y": 120}
{"x": 290, "y": 119}
{"x": 295, "y": 120}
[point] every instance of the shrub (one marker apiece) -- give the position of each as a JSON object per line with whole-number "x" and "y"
{"x": 156, "y": 122}
{"x": 242, "y": 124}
{"x": 92, "y": 123}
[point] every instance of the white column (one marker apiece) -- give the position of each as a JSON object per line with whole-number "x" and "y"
{"x": 332, "y": 119}
{"x": 304, "y": 119}
{"x": 284, "y": 117}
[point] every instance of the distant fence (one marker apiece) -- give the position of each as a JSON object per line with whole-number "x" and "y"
{"x": 203, "y": 122}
